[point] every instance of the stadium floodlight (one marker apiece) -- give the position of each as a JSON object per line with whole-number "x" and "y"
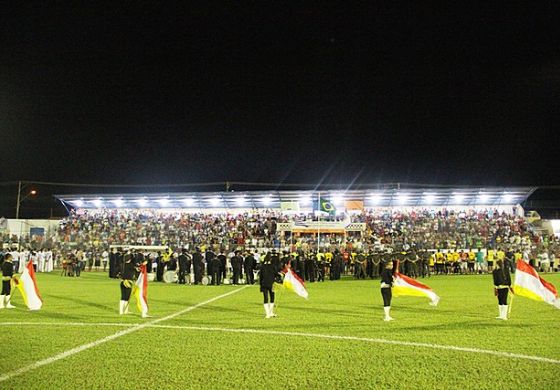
{"x": 306, "y": 199}
{"x": 338, "y": 199}
{"x": 267, "y": 200}
{"x": 507, "y": 197}
{"x": 142, "y": 202}
{"x": 429, "y": 198}
{"x": 78, "y": 203}
{"x": 98, "y": 203}
{"x": 403, "y": 198}
{"x": 458, "y": 197}
{"x": 483, "y": 197}
{"x": 163, "y": 202}
{"x": 189, "y": 202}
{"x": 118, "y": 202}
{"x": 375, "y": 198}
{"x": 240, "y": 200}
{"x": 215, "y": 201}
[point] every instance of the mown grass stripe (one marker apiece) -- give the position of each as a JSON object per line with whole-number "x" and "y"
{"x": 134, "y": 328}
{"x": 309, "y": 335}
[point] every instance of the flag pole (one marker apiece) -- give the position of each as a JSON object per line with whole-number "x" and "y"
{"x": 510, "y": 304}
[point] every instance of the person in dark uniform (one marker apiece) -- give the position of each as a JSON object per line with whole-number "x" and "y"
{"x": 249, "y": 266}
{"x": 236, "y": 265}
{"x": 223, "y": 264}
{"x": 267, "y": 276}
{"x": 183, "y": 260}
{"x": 386, "y": 292}
{"x": 118, "y": 263}
{"x": 216, "y": 267}
{"x": 209, "y": 257}
{"x": 112, "y": 264}
{"x": 285, "y": 259}
{"x": 7, "y": 275}
{"x": 197, "y": 264}
{"x": 126, "y": 284}
{"x": 160, "y": 265}
{"x": 502, "y": 284}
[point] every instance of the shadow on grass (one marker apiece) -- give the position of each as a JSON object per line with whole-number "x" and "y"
{"x": 75, "y": 300}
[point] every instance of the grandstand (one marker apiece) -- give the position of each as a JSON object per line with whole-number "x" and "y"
{"x": 438, "y": 197}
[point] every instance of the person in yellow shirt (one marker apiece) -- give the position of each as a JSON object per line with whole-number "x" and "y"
{"x": 440, "y": 262}
{"x": 470, "y": 261}
{"x": 490, "y": 256}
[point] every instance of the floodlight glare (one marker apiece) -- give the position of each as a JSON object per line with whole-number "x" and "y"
{"x": 338, "y": 199}
{"x": 266, "y": 200}
{"x": 375, "y": 198}
{"x": 98, "y": 203}
{"x": 118, "y": 202}
{"x": 214, "y": 201}
{"x": 189, "y": 202}
{"x": 483, "y": 197}
{"x": 429, "y": 198}
{"x": 306, "y": 199}
{"x": 163, "y": 202}
{"x": 402, "y": 198}
{"x": 142, "y": 202}
{"x": 458, "y": 198}
{"x": 78, "y": 203}
{"x": 508, "y": 198}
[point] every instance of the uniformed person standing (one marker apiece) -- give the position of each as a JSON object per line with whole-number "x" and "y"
{"x": 386, "y": 292}
{"x": 249, "y": 266}
{"x": 183, "y": 260}
{"x": 216, "y": 267}
{"x": 197, "y": 265}
{"x": 502, "y": 283}
{"x": 236, "y": 265}
{"x": 266, "y": 278}
{"x": 7, "y": 275}
{"x": 126, "y": 284}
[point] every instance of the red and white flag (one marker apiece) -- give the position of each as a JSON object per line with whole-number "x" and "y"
{"x": 403, "y": 285}
{"x": 529, "y": 284}
{"x": 27, "y": 285}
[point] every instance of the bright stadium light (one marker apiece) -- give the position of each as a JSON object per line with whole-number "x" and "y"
{"x": 305, "y": 199}
{"x": 507, "y": 197}
{"x": 403, "y": 198}
{"x": 98, "y": 203}
{"x": 142, "y": 202}
{"x": 118, "y": 202}
{"x": 267, "y": 200}
{"x": 189, "y": 202}
{"x": 483, "y": 197}
{"x": 458, "y": 198}
{"x": 215, "y": 201}
{"x": 78, "y": 203}
{"x": 240, "y": 200}
{"x": 375, "y": 198}
{"x": 429, "y": 197}
{"x": 338, "y": 199}
{"x": 163, "y": 202}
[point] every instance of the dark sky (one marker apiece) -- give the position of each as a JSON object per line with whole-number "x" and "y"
{"x": 281, "y": 92}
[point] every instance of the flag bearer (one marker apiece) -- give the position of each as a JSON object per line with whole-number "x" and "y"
{"x": 386, "y": 293}
{"x": 7, "y": 275}
{"x": 502, "y": 283}
{"x": 266, "y": 278}
{"x": 126, "y": 284}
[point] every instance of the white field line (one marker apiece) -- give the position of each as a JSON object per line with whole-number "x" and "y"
{"x": 133, "y": 328}
{"x": 309, "y": 335}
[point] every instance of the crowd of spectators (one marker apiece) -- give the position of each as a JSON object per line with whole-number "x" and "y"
{"x": 84, "y": 239}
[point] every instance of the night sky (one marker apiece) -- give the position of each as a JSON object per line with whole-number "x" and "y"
{"x": 282, "y": 92}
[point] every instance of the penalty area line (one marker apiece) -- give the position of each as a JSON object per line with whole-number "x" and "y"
{"x": 133, "y": 328}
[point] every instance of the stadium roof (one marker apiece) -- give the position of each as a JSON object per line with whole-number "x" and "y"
{"x": 395, "y": 197}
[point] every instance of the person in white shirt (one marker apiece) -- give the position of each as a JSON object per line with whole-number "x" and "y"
{"x": 49, "y": 261}
{"x": 41, "y": 261}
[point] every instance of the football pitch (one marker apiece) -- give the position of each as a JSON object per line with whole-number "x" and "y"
{"x": 217, "y": 337}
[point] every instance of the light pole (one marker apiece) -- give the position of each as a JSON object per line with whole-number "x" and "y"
{"x": 20, "y": 199}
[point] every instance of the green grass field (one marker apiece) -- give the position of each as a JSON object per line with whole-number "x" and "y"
{"x": 227, "y": 343}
